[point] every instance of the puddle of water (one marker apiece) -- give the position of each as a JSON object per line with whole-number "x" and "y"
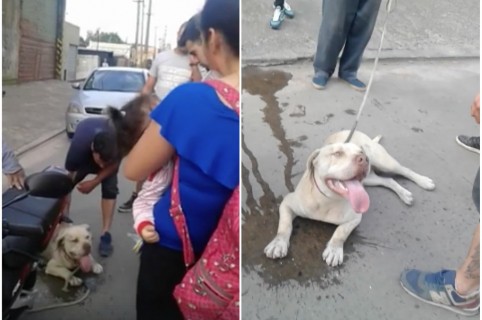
{"x": 50, "y": 289}
{"x": 265, "y": 83}
{"x": 304, "y": 263}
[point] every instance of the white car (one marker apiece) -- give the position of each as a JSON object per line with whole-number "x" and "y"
{"x": 104, "y": 87}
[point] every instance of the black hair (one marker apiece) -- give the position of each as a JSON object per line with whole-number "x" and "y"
{"x": 129, "y": 121}
{"x": 192, "y": 31}
{"x": 179, "y": 43}
{"x": 105, "y": 145}
{"x": 223, "y": 16}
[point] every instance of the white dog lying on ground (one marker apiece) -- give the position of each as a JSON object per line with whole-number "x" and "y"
{"x": 68, "y": 251}
{"x": 331, "y": 190}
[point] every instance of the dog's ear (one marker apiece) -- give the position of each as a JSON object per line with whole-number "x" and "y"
{"x": 59, "y": 242}
{"x": 310, "y": 166}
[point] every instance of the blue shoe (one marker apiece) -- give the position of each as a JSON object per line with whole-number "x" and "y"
{"x": 438, "y": 289}
{"x": 355, "y": 83}
{"x": 319, "y": 81}
{"x": 288, "y": 11}
{"x": 105, "y": 245}
{"x": 278, "y": 17}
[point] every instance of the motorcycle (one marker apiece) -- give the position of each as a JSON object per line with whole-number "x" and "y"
{"x": 30, "y": 217}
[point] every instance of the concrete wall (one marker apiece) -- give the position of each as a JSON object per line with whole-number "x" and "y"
{"x": 10, "y": 39}
{"x": 71, "y": 36}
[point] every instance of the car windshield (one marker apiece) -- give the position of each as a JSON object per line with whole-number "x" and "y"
{"x": 109, "y": 80}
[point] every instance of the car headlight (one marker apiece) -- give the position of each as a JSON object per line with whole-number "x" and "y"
{"x": 74, "y": 108}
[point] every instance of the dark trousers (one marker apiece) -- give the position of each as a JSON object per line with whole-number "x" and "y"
{"x": 347, "y": 23}
{"x": 109, "y": 184}
{"x": 161, "y": 269}
{"x": 279, "y": 3}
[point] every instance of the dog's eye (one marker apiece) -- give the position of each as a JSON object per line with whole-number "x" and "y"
{"x": 338, "y": 154}
{"x": 75, "y": 240}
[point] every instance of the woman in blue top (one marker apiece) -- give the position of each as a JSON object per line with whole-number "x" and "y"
{"x": 203, "y": 130}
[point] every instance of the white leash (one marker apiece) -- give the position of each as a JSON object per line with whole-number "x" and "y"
{"x": 389, "y": 10}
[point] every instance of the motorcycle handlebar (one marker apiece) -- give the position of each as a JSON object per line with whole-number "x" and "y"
{"x": 22, "y": 230}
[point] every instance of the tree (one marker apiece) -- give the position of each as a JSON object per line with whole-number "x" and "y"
{"x": 111, "y": 37}
{"x": 83, "y": 43}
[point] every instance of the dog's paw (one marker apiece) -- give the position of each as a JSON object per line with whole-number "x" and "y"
{"x": 97, "y": 268}
{"x": 406, "y": 197}
{"x": 426, "y": 183}
{"x": 75, "y": 281}
{"x": 333, "y": 255}
{"x": 278, "y": 248}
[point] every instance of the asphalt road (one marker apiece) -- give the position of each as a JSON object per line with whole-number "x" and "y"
{"x": 113, "y": 292}
{"x": 418, "y": 108}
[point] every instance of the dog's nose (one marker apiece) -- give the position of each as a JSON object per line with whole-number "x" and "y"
{"x": 87, "y": 248}
{"x": 361, "y": 159}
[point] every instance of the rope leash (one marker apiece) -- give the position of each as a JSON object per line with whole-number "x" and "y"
{"x": 389, "y": 10}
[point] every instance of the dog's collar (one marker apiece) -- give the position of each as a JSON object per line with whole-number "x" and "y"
{"x": 318, "y": 187}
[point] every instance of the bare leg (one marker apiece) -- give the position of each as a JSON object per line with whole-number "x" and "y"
{"x": 107, "y": 206}
{"x": 139, "y": 186}
{"x": 468, "y": 275}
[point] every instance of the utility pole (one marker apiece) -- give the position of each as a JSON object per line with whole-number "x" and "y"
{"x": 136, "y": 46}
{"x": 142, "y": 33}
{"x": 146, "y": 48}
{"x": 155, "y": 43}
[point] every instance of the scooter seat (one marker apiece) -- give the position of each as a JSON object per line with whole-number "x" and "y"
{"x": 31, "y": 211}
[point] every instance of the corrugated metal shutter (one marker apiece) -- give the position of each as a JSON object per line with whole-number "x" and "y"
{"x": 37, "y": 40}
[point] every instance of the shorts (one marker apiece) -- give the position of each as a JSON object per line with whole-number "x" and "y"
{"x": 109, "y": 184}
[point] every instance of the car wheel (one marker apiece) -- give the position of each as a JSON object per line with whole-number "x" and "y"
{"x": 70, "y": 135}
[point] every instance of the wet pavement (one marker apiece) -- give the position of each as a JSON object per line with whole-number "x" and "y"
{"x": 418, "y": 108}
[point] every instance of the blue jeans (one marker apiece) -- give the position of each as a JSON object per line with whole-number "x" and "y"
{"x": 346, "y": 23}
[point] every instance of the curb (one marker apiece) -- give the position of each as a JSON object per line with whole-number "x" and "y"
{"x": 261, "y": 62}
{"x": 42, "y": 139}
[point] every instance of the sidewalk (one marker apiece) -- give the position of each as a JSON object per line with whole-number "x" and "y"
{"x": 416, "y": 29}
{"x": 34, "y": 112}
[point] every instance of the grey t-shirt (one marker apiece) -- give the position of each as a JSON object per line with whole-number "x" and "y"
{"x": 170, "y": 70}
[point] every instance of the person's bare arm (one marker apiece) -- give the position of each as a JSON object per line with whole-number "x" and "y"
{"x": 105, "y": 172}
{"x": 150, "y": 153}
{"x": 149, "y": 86}
{"x": 475, "y": 109}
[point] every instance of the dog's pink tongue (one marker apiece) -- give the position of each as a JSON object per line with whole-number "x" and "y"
{"x": 357, "y": 195}
{"x": 85, "y": 264}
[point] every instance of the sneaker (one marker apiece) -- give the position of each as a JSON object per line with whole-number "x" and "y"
{"x": 126, "y": 207}
{"x": 319, "y": 81}
{"x": 355, "y": 83}
{"x": 105, "y": 245}
{"x": 469, "y": 143}
{"x": 278, "y": 17}
{"x": 288, "y": 11}
{"x": 438, "y": 289}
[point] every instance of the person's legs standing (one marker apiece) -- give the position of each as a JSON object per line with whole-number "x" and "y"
{"x": 160, "y": 270}
{"x": 357, "y": 39}
{"x": 457, "y": 291}
{"x": 331, "y": 38}
{"x": 109, "y": 195}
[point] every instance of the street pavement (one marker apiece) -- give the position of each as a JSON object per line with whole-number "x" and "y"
{"x": 418, "y": 107}
{"x": 34, "y": 112}
{"x": 416, "y": 29}
{"x": 113, "y": 292}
